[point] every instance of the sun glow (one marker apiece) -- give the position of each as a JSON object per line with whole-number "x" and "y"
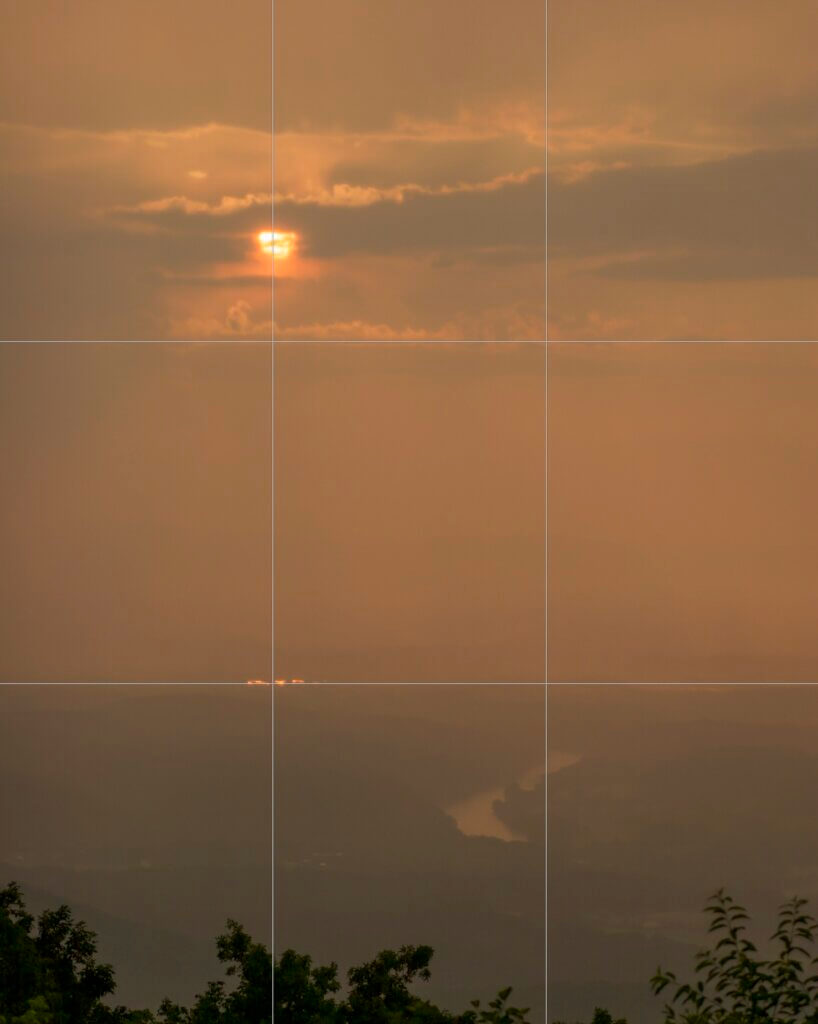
{"x": 278, "y": 244}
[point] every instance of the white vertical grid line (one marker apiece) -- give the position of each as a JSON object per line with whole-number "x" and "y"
{"x": 272, "y": 511}
{"x": 545, "y": 526}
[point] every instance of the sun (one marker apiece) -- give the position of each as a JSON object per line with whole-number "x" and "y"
{"x": 278, "y": 244}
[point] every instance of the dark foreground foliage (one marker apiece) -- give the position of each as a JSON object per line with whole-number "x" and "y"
{"x": 732, "y": 984}
{"x": 378, "y": 993}
{"x": 49, "y": 974}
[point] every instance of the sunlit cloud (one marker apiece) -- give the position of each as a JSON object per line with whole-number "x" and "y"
{"x": 162, "y": 222}
{"x": 686, "y": 185}
{"x": 394, "y": 181}
{"x": 351, "y": 195}
{"x": 225, "y": 207}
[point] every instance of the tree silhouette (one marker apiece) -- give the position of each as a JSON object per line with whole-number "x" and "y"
{"x": 302, "y": 992}
{"x": 248, "y": 1003}
{"x": 735, "y": 985}
{"x": 602, "y": 1017}
{"x": 49, "y": 974}
{"x": 378, "y": 993}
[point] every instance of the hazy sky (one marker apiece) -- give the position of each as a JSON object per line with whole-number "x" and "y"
{"x": 409, "y": 157}
{"x": 135, "y": 521}
{"x": 683, "y": 148}
{"x": 136, "y": 163}
{"x": 681, "y": 513}
{"x": 410, "y": 512}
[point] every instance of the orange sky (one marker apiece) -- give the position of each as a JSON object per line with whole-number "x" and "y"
{"x": 135, "y": 521}
{"x": 682, "y": 502}
{"x": 135, "y": 143}
{"x": 137, "y": 157}
{"x": 409, "y": 512}
{"x": 683, "y": 150}
{"x": 137, "y": 152}
{"x": 409, "y": 157}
